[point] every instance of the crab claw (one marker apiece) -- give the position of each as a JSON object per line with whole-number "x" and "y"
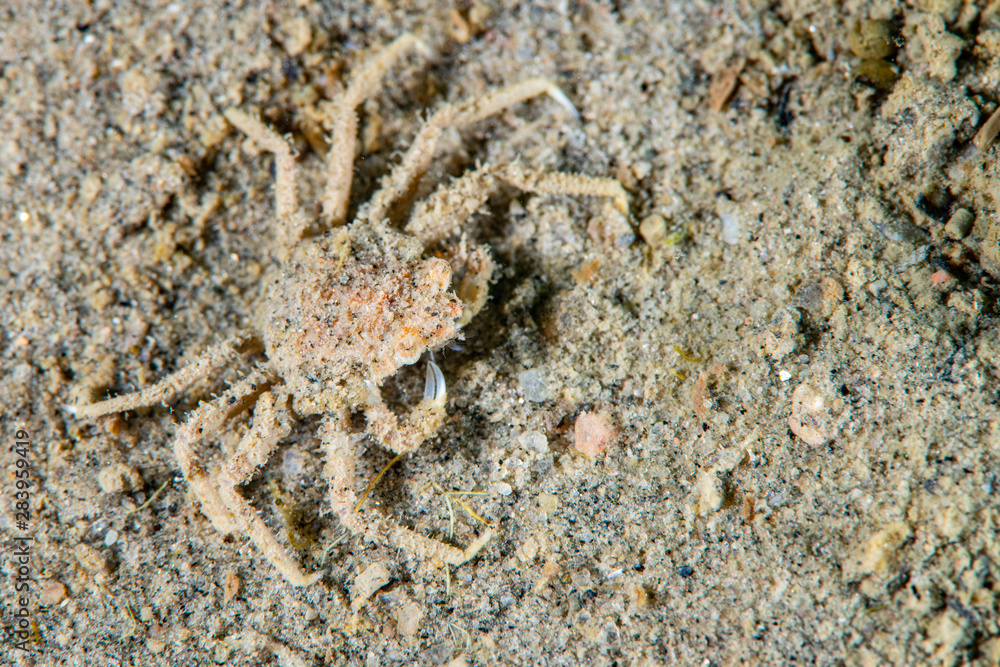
{"x": 434, "y": 387}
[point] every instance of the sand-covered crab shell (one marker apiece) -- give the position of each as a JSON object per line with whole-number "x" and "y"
{"x": 347, "y": 310}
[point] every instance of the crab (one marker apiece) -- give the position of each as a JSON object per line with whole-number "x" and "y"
{"x": 346, "y": 308}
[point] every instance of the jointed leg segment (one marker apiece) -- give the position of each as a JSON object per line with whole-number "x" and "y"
{"x": 202, "y": 423}
{"x": 344, "y": 121}
{"x": 341, "y": 458}
{"x": 220, "y": 500}
{"x": 270, "y": 425}
{"x": 208, "y": 361}
{"x": 417, "y": 159}
{"x": 441, "y": 214}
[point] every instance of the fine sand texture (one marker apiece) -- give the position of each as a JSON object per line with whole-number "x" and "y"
{"x": 752, "y": 420}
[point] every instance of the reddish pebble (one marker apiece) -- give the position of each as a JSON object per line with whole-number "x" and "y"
{"x": 52, "y": 593}
{"x": 592, "y": 435}
{"x": 940, "y": 277}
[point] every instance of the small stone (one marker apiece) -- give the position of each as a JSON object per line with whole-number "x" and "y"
{"x": 548, "y": 503}
{"x": 295, "y": 35}
{"x": 408, "y": 618}
{"x": 811, "y": 418}
{"x": 90, "y": 558}
{"x": 146, "y": 614}
{"x": 988, "y": 132}
{"x": 877, "y": 73}
{"x": 534, "y": 441}
{"x": 732, "y": 228}
{"x": 653, "y": 230}
{"x": 872, "y": 39}
{"x": 373, "y": 578}
{"x": 534, "y": 386}
{"x": 503, "y": 488}
{"x": 960, "y": 224}
{"x": 592, "y": 435}
{"x": 110, "y": 537}
{"x": 231, "y": 586}
{"x": 528, "y": 550}
{"x": 710, "y": 492}
{"x": 720, "y": 90}
{"x": 156, "y": 645}
{"x": 52, "y": 593}
{"x": 119, "y": 478}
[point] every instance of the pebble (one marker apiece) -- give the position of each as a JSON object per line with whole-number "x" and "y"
{"x": 503, "y": 488}
{"x": 534, "y": 386}
{"x": 653, "y": 230}
{"x": 877, "y": 73}
{"x": 408, "y": 619}
{"x": 872, "y": 39}
{"x": 592, "y": 435}
{"x": 534, "y": 441}
{"x": 960, "y": 224}
{"x": 52, "y": 593}
{"x": 119, "y": 478}
{"x": 89, "y": 557}
{"x": 988, "y": 132}
{"x": 373, "y": 578}
{"x": 810, "y": 418}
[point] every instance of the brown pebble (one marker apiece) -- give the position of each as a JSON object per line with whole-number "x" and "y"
{"x": 723, "y": 85}
{"x": 52, "y": 593}
{"x": 231, "y": 586}
{"x": 368, "y": 582}
{"x": 876, "y": 73}
{"x": 872, "y": 39}
{"x": 699, "y": 396}
{"x": 591, "y": 435}
{"x": 653, "y": 230}
{"x": 988, "y": 132}
{"x": 119, "y": 478}
{"x": 408, "y": 618}
{"x": 90, "y": 558}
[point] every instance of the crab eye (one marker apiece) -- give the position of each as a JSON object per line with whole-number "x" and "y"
{"x": 409, "y": 347}
{"x": 434, "y": 275}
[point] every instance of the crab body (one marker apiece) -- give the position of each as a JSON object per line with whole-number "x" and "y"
{"x": 347, "y": 310}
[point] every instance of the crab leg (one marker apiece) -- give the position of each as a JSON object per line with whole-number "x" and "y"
{"x": 270, "y": 425}
{"x": 403, "y": 178}
{"x": 341, "y": 459}
{"x": 344, "y": 120}
{"x": 208, "y": 361}
{"x": 441, "y": 214}
{"x": 293, "y": 221}
{"x": 202, "y": 423}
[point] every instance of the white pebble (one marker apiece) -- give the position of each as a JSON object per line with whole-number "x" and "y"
{"x": 110, "y": 537}
{"x": 534, "y": 441}
{"x": 503, "y": 488}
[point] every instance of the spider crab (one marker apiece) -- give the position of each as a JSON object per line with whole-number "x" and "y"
{"x": 345, "y": 310}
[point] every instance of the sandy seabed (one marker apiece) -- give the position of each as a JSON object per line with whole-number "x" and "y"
{"x": 784, "y": 357}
